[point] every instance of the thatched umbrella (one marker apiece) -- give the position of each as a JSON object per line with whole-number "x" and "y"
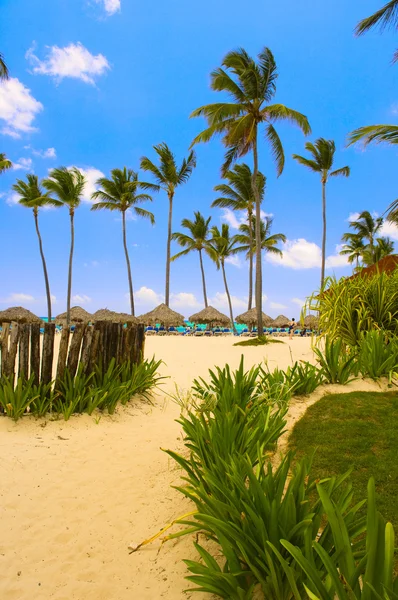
{"x": 281, "y": 321}
{"x": 77, "y": 315}
{"x": 250, "y": 318}
{"x": 164, "y": 315}
{"x": 311, "y": 321}
{"x": 104, "y": 314}
{"x": 210, "y": 316}
{"x": 18, "y": 314}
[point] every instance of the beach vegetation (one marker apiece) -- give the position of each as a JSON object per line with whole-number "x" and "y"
{"x": 378, "y": 355}
{"x": 5, "y": 164}
{"x": 16, "y": 399}
{"x": 322, "y": 162}
{"x": 385, "y": 17}
{"x": 122, "y": 193}
{"x": 169, "y": 176}
{"x": 198, "y": 239}
{"x": 337, "y": 361}
{"x": 251, "y": 84}
{"x": 262, "y": 340}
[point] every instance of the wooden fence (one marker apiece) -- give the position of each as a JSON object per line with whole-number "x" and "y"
{"x": 90, "y": 345}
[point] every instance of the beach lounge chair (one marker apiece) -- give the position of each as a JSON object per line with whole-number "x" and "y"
{"x": 172, "y": 331}
{"x": 217, "y": 331}
{"x": 245, "y": 332}
{"x": 150, "y": 331}
{"x": 208, "y": 333}
{"x": 199, "y": 332}
{"x": 227, "y": 331}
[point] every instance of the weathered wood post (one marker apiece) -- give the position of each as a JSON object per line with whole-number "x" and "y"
{"x": 86, "y": 346}
{"x": 5, "y": 333}
{"x": 12, "y": 352}
{"x": 63, "y": 351}
{"x": 94, "y": 349}
{"x": 138, "y": 351}
{"x": 35, "y": 352}
{"x": 23, "y": 358}
{"x": 48, "y": 353}
{"x": 74, "y": 350}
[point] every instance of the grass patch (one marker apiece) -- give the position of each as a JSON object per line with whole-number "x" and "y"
{"x": 259, "y": 341}
{"x": 358, "y": 430}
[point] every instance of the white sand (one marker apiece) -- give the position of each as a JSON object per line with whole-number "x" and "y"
{"x": 74, "y": 495}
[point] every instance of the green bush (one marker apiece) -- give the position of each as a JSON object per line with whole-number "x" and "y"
{"x": 337, "y": 363}
{"x": 15, "y": 399}
{"x": 304, "y": 378}
{"x": 378, "y": 355}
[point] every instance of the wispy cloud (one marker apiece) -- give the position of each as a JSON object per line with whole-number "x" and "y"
{"x": 18, "y": 108}
{"x": 302, "y": 254}
{"x": 110, "y": 7}
{"x": 81, "y": 299}
{"x": 23, "y": 163}
{"x": 18, "y": 298}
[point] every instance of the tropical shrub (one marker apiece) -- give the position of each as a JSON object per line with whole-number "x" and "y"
{"x": 378, "y": 355}
{"x": 304, "y": 378}
{"x": 16, "y": 399}
{"x": 337, "y": 362}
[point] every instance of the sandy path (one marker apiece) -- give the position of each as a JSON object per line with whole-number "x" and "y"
{"x": 74, "y": 495}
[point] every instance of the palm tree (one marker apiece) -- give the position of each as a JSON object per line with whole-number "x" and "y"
{"x": 353, "y": 247}
{"x": 220, "y": 247}
{"x": 168, "y": 177}
{"x": 4, "y": 163}
{"x": 3, "y": 68}
{"x": 238, "y": 195}
{"x": 120, "y": 193}
{"x": 68, "y": 186}
{"x": 247, "y": 239}
{"x": 387, "y": 16}
{"x": 322, "y": 152}
{"x": 367, "y": 228}
{"x": 198, "y": 240}
{"x": 383, "y": 247}
{"x": 252, "y": 86}
{"x": 32, "y": 196}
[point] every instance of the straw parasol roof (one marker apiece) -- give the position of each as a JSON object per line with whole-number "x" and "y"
{"x": 104, "y": 314}
{"x": 311, "y": 321}
{"x": 164, "y": 315}
{"x": 250, "y": 318}
{"x": 280, "y": 321}
{"x": 18, "y": 314}
{"x": 210, "y": 315}
{"x": 77, "y": 315}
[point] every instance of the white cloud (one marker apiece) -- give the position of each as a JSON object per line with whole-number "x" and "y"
{"x": 23, "y": 163}
{"x": 353, "y": 217}
{"x": 235, "y": 261}
{"x": 276, "y": 305}
{"x": 73, "y": 61}
{"x": 389, "y": 230}
{"x": 298, "y": 301}
{"x": 18, "y": 108}
{"x": 301, "y": 254}
{"x": 394, "y": 108}
{"x": 220, "y": 301}
{"x": 91, "y": 175}
{"x": 92, "y": 263}
{"x": 110, "y": 6}
{"x": 184, "y": 300}
{"x": 147, "y": 296}
{"x": 235, "y": 218}
{"x": 18, "y": 298}
{"x": 49, "y": 153}
{"x": 13, "y": 198}
{"x": 81, "y": 299}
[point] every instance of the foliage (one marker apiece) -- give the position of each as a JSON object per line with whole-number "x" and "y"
{"x": 268, "y": 242}
{"x": 378, "y": 355}
{"x": 349, "y": 307}
{"x": 357, "y": 429}
{"x": 5, "y": 164}
{"x": 304, "y": 378}
{"x": 262, "y": 340}
{"x": 387, "y": 16}
{"x": 337, "y": 362}
{"x": 14, "y": 400}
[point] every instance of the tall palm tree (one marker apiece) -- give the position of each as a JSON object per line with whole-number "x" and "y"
{"x": 223, "y": 246}
{"x": 387, "y": 16}
{"x": 120, "y": 193}
{"x": 32, "y": 196}
{"x": 238, "y": 195}
{"x": 5, "y": 164}
{"x": 68, "y": 186}
{"x": 3, "y": 68}
{"x": 252, "y": 86}
{"x": 169, "y": 176}
{"x": 353, "y": 247}
{"x": 322, "y": 152}
{"x": 367, "y": 227}
{"x": 198, "y": 241}
{"x": 247, "y": 240}
{"x": 382, "y": 248}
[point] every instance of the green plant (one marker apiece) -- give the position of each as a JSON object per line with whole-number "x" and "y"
{"x": 378, "y": 355}
{"x": 337, "y": 362}
{"x": 73, "y": 392}
{"x": 141, "y": 379}
{"x": 303, "y": 378}
{"x": 15, "y": 399}
{"x": 262, "y": 340}
{"x": 45, "y": 398}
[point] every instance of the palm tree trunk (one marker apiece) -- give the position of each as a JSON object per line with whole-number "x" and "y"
{"x": 324, "y": 232}
{"x": 250, "y": 222}
{"x": 72, "y": 246}
{"x": 203, "y": 278}
{"x": 43, "y": 260}
{"x": 259, "y": 277}
{"x": 128, "y": 263}
{"x": 167, "y": 292}
{"x": 228, "y": 296}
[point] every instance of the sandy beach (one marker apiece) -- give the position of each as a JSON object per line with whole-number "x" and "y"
{"x": 74, "y": 495}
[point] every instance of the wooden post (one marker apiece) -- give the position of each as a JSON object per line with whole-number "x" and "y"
{"x": 133, "y": 334}
{"x": 95, "y": 344}
{"x": 48, "y": 353}
{"x": 23, "y": 358}
{"x": 9, "y": 371}
{"x": 35, "y": 352}
{"x": 5, "y": 332}
{"x": 138, "y": 348}
{"x": 86, "y": 346}
{"x": 115, "y": 333}
{"x": 63, "y": 351}
{"x": 74, "y": 350}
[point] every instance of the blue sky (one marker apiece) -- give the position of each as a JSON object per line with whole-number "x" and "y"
{"x": 96, "y": 83}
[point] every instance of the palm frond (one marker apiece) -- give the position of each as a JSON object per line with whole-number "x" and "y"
{"x": 280, "y": 112}
{"x": 147, "y": 165}
{"x": 186, "y": 168}
{"x": 276, "y": 148}
{"x": 5, "y": 164}
{"x": 222, "y": 82}
{"x": 387, "y": 16}
{"x": 145, "y": 214}
{"x": 307, "y": 162}
{"x": 104, "y": 205}
{"x": 374, "y": 133}
{"x": 4, "y": 74}
{"x": 343, "y": 172}
{"x": 180, "y": 254}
